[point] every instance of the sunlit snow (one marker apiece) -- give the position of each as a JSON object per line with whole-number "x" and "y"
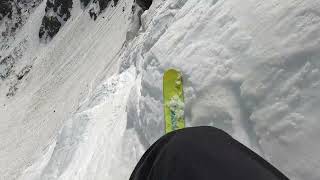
{"x": 91, "y": 103}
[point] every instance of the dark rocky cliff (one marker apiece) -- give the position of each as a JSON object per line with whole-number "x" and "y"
{"x": 57, "y": 13}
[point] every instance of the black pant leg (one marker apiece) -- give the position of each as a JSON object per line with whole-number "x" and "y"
{"x": 202, "y": 153}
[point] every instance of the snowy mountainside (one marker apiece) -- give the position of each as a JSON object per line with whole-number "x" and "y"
{"x": 92, "y": 102}
{"x": 64, "y": 72}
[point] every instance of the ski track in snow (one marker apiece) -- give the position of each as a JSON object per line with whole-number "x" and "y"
{"x": 251, "y": 69}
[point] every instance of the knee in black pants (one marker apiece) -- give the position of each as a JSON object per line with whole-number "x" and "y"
{"x": 202, "y": 153}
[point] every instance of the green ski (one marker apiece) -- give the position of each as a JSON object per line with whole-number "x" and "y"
{"x": 173, "y": 100}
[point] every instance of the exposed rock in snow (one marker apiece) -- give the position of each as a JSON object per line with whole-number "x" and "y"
{"x": 57, "y": 13}
{"x": 13, "y": 15}
{"x": 6, "y": 65}
{"x": 85, "y": 3}
{"x": 144, "y": 4}
{"x": 5, "y": 9}
{"x": 98, "y": 6}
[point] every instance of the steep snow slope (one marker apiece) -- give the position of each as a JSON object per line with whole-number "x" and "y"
{"x": 63, "y": 74}
{"x": 250, "y": 68}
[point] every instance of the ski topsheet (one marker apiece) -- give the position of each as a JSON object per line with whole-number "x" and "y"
{"x": 173, "y": 100}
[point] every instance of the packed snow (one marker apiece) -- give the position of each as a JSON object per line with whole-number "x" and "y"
{"x": 91, "y": 102}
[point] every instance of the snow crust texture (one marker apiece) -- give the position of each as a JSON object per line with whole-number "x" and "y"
{"x": 89, "y": 103}
{"x": 250, "y": 68}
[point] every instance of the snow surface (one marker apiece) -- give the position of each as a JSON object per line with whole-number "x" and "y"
{"x": 92, "y": 102}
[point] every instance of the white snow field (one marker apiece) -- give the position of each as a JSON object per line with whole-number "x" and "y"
{"x": 92, "y": 103}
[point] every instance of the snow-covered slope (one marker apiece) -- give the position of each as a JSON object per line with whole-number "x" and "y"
{"x": 249, "y": 68}
{"x": 92, "y": 101}
{"x": 64, "y": 72}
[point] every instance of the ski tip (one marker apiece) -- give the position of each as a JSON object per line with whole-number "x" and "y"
{"x": 171, "y": 70}
{"x": 171, "y": 73}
